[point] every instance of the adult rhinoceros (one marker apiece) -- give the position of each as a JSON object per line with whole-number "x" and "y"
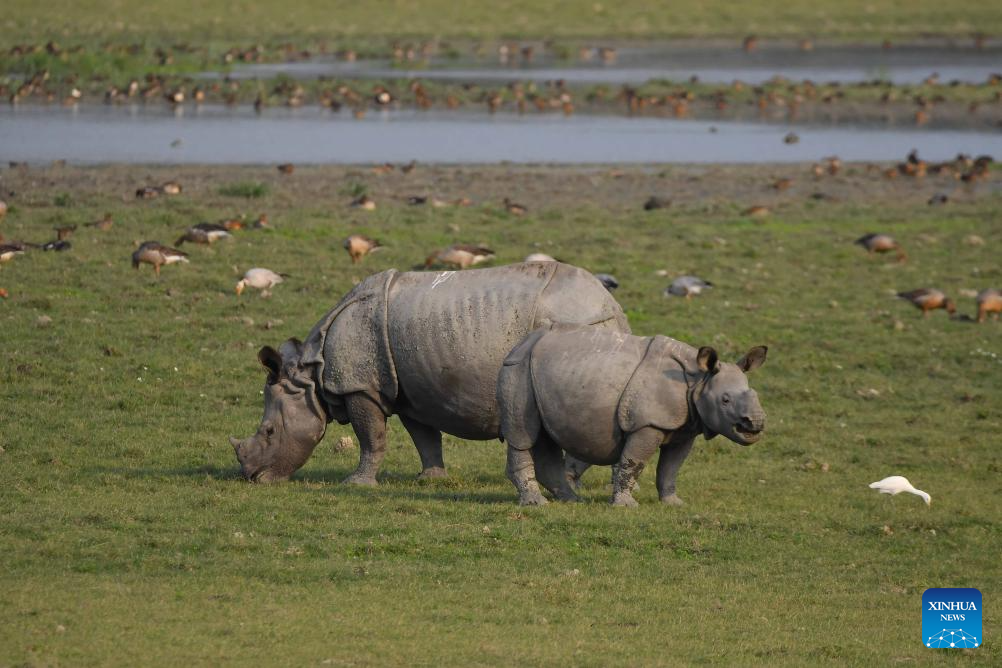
{"x": 425, "y": 346}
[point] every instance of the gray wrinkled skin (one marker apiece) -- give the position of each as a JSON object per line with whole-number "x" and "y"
{"x": 427, "y": 346}
{"x": 607, "y": 397}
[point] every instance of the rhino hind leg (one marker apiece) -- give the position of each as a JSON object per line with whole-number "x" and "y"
{"x": 369, "y": 423}
{"x": 428, "y": 442}
{"x": 573, "y": 470}
{"x": 522, "y": 473}
{"x": 549, "y": 463}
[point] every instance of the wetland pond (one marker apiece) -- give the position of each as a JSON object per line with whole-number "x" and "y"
{"x": 637, "y": 64}
{"x": 223, "y": 135}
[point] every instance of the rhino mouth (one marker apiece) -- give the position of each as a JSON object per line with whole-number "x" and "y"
{"x": 747, "y": 434}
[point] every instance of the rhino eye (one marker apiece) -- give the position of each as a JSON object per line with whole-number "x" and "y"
{"x": 270, "y": 431}
{"x": 726, "y": 398}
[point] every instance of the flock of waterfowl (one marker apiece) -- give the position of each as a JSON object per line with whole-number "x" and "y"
{"x": 677, "y": 99}
{"x": 462, "y": 256}
{"x": 988, "y": 301}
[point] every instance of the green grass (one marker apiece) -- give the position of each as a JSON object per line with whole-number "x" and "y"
{"x": 127, "y": 538}
{"x": 247, "y": 189}
{"x": 313, "y": 19}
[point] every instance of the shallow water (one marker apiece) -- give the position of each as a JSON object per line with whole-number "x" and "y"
{"x": 219, "y": 135}
{"x": 711, "y": 64}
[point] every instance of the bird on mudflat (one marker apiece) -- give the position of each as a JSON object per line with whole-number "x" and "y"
{"x": 654, "y": 203}
{"x": 929, "y": 299}
{"x": 881, "y": 243}
{"x": 203, "y": 233}
{"x": 687, "y": 286}
{"x": 155, "y": 253}
{"x": 359, "y": 245}
{"x": 260, "y": 279}
{"x": 896, "y": 484}
{"x": 460, "y": 255}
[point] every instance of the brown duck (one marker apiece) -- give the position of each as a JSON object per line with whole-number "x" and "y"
{"x": 364, "y": 202}
{"x": 104, "y": 224}
{"x": 358, "y": 246}
{"x": 881, "y": 243}
{"x": 460, "y": 255}
{"x": 155, "y": 253}
{"x": 989, "y": 301}
{"x": 64, "y": 231}
{"x": 203, "y": 233}
{"x": 9, "y": 250}
{"x": 514, "y": 208}
{"x": 929, "y": 299}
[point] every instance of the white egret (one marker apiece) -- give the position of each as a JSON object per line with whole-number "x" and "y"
{"x": 896, "y": 484}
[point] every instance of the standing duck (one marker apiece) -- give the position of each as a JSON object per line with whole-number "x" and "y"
{"x": 687, "y": 286}
{"x": 460, "y": 255}
{"x": 881, "y": 243}
{"x": 929, "y": 299}
{"x": 260, "y": 279}
{"x": 989, "y": 301}
{"x": 203, "y": 233}
{"x": 358, "y": 246}
{"x": 155, "y": 253}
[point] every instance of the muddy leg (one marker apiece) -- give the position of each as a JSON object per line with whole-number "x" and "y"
{"x": 369, "y": 424}
{"x": 573, "y": 470}
{"x": 429, "y": 446}
{"x": 669, "y": 462}
{"x": 522, "y": 474}
{"x": 640, "y": 446}
{"x": 549, "y": 462}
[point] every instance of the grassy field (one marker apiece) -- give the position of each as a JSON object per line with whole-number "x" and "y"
{"x": 575, "y": 19}
{"x": 128, "y": 539}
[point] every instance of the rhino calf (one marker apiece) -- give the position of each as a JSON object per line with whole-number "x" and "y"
{"x": 606, "y": 397}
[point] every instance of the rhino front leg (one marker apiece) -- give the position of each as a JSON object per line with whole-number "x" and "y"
{"x": 673, "y": 454}
{"x": 429, "y": 446}
{"x": 640, "y": 447}
{"x": 369, "y": 423}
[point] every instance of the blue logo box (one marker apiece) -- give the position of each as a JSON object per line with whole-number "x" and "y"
{"x": 951, "y": 618}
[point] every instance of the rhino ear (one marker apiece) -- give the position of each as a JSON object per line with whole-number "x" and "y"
{"x": 291, "y": 348}
{"x": 272, "y": 361}
{"x": 707, "y": 360}
{"x": 753, "y": 359}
